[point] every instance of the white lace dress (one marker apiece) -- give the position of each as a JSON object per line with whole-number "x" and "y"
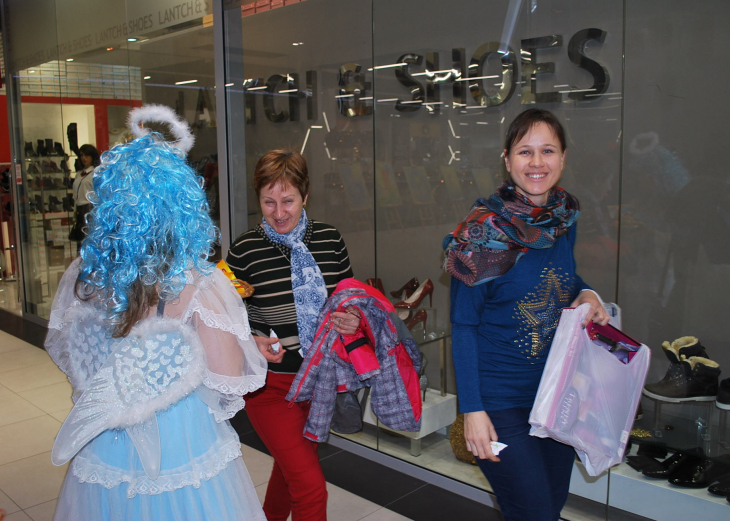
{"x": 148, "y": 433}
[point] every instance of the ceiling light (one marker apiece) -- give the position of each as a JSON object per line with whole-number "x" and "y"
{"x": 185, "y": 82}
{"x": 110, "y": 48}
{"x": 131, "y": 39}
{"x": 148, "y": 77}
{"x": 69, "y": 59}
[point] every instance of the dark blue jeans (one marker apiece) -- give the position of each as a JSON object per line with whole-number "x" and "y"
{"x": 532, "y": 480}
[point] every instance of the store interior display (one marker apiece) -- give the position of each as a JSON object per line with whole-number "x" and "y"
{"x": 689, "y": 468}
{"x": 48, "y": 191}
{"x": 688, "y": 449}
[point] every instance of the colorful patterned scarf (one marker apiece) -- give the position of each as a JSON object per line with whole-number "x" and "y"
{"x": 499, "y": 230}
{"x": 307, "y": 282}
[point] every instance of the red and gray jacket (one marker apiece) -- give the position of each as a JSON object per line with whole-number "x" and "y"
{"x": 381, "y": 355}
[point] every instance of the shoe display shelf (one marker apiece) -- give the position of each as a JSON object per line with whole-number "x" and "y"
{"x": 438, "y": 413}
{"x": 629, "y": 490}
{"x": 694, "y": 430}
{"x": 625, "y": 489}
{"x": 439, "y": 406}
{"x": 723, "y": 435}
{"x": 50, "y": 210}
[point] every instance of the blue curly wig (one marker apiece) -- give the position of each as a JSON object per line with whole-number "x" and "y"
{"x": 150, "y": 222}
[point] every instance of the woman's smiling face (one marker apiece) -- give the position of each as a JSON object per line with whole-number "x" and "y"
{"x": 536, "y": 163}
{"x": 282, "y": 206}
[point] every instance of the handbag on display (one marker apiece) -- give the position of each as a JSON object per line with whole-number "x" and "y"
{"x": 590, "y": 390}
{"x": 349, "y": 412}
{"x": 76, "y": 233}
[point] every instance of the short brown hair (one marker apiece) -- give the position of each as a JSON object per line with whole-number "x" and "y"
{"x": 281, "y": 166}
{"x": 528, "y": 119}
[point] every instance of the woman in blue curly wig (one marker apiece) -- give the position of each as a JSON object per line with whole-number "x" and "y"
{"x": 156, "y": 344}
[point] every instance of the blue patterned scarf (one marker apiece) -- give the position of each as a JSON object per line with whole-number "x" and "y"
{"x": 502, "y": 228}
{"x": 310, "y": 292}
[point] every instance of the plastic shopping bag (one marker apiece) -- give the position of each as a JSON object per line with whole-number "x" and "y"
{"x": 587, "y": 396}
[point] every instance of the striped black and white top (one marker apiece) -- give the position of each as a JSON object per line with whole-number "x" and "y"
{"x": 266, "y": 265}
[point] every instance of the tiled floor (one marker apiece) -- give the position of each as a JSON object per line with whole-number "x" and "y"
{"x": 34, "y": 401}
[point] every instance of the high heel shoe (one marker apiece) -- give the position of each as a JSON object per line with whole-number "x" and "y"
{"x": 377, "y": 284}
{"x": 420, "y": 316}
{"x": 426, "y": 288}
{"x": 409, "y": 287}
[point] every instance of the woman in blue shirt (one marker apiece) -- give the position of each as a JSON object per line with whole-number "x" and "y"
{"x": 513, "y": 270}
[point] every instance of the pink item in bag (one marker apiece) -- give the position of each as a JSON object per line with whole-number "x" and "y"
{"x": 587, "y": 397}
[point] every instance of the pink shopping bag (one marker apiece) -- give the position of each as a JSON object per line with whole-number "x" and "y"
{"x": 587, "y": 396}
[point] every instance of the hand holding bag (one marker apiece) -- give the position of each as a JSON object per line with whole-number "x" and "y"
{"x": 587, "y": 397}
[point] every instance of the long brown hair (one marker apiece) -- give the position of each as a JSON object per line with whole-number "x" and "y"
{"x": 140, "y": 298}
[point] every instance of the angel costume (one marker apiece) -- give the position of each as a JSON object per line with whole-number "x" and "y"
{"x": 148, "y": 433}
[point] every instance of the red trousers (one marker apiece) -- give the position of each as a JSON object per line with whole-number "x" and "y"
{"x": 297, "y": 484}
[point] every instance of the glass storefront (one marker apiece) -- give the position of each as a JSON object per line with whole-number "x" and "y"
{"x": 72, "y": 84}
{"x": 400, "y": 109}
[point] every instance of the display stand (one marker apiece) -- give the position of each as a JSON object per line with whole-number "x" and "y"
{"x": 425, "y": 337}
{"x": 439, "y": 407}
{"x": 702, "y": 422}
{"x": 438, "y": 412}
{"x": 723, "y": 437}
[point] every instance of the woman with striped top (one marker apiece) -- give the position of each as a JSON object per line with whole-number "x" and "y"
{"x": 294, "y": 264}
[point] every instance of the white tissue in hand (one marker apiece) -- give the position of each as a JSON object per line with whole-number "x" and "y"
{"x": 274, "y": 347}
{"x": 497, "y": 447}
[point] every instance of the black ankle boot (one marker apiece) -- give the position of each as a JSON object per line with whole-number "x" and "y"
{"x": 64, "y": 165}
{"x": 29, "y": 152}
{"x": 53, "y": 203}
{"x": 49, "y": 147}
{"x": 41, "y": 148}
{"x": 678, "y": 350}
{"x": 68, "y": 203}
{"x": 698, "y": 381}
{"x": 39, "y": 204}
{"x": 58, "y": 148}
{"x": 702, "y": 474}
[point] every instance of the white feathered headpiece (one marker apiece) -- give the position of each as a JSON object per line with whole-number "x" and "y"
{"x": 161, "y": 114}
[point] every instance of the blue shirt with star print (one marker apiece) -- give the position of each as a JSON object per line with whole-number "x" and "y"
{"x": 502, "y": 329}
